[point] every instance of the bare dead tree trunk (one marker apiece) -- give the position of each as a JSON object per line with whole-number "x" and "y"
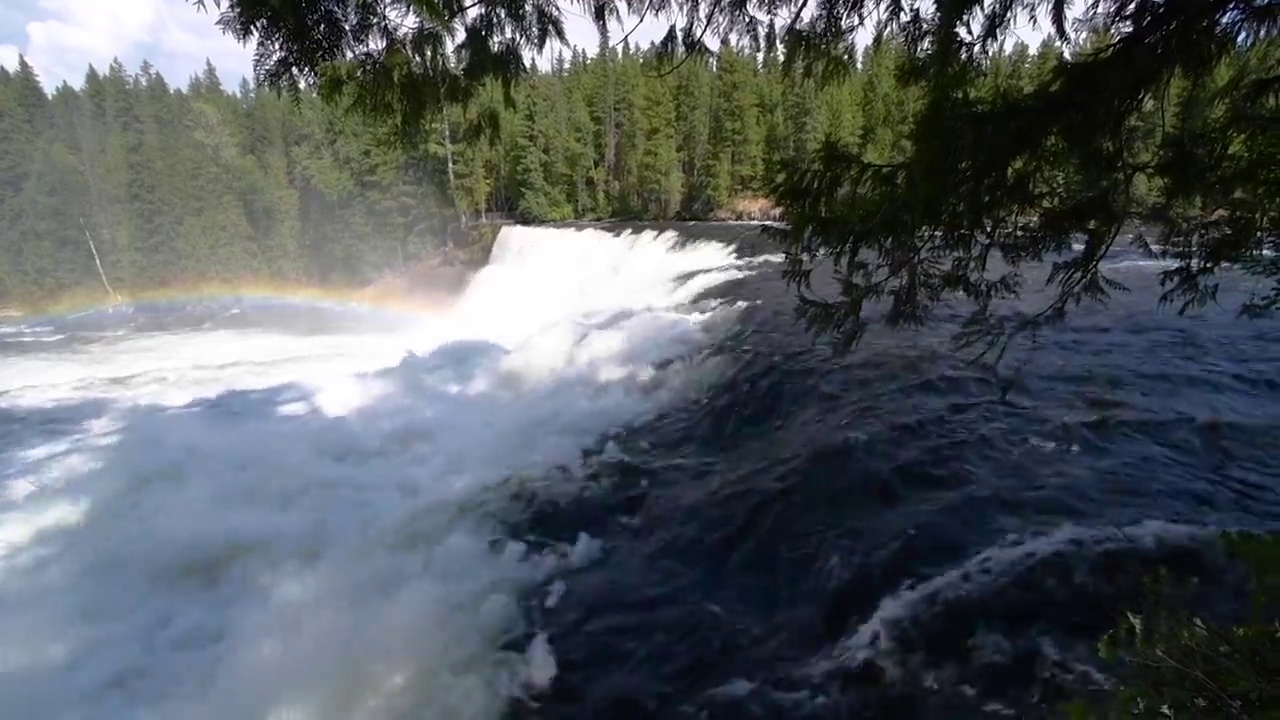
{"x": 98, "y": 262}
{"x": 448, "y": 159}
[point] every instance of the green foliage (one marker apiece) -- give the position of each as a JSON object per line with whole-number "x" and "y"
{"x": 201, "y": 185}
{"x": 935, "y": 167}
{"x": 920, "y": 169}
{"x": 953, "y": 185}
{"x": 1173, "y": 664}
{"x": 206, "y": 184}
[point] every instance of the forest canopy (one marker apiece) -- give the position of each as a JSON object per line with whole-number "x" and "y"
{"x": 197, "y": 183}
{"x": 982, "y": 183}
{"x": 919, "y": 175}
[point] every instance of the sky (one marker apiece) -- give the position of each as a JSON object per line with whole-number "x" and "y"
{"x": 61, "y": 38}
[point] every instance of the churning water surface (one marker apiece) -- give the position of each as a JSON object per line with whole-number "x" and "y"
{"x": 614, "y": 480}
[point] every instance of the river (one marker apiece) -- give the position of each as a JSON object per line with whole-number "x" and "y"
{"x": 614, "y": 479}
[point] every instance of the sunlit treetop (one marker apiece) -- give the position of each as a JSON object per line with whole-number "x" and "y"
{"x": 989, "y": 180}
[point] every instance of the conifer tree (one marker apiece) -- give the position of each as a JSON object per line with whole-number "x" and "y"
{"x": 1021, "y": 173}
{"x": 214, "y": 183}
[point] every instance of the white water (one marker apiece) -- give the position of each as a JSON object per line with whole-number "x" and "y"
{"x": 235, "y": 524}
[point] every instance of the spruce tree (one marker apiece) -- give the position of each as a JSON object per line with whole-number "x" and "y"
{"x": 1022, "y": 174}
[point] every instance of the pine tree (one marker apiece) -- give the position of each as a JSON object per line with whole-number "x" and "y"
{"x": 538, "y": 198}
{"x": 693, "y": 128}
{"x": 207, "y": 184}
{"x": 658, "y": 171}
{"x": 969, "y": 166}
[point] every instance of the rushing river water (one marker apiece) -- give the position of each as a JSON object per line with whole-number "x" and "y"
{"x": 613, "y": 481}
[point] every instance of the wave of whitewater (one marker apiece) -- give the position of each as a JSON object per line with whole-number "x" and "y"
{"x": 241, "y": 523}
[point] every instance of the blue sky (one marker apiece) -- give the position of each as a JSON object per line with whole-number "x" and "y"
{"x": 60, "y": 38}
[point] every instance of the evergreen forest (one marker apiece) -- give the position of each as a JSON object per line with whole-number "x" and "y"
{"x": 209, "y": 184}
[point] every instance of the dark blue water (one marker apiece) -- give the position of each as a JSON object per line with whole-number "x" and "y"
{"x": 899, "y": 533}
{"x": 896, "y": 533}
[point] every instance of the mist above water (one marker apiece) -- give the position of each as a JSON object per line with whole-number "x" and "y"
{"x": 227, "y": 521}
{"x": 613, "y": 479}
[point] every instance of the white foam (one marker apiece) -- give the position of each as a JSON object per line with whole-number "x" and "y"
{"x": 318, "y": 552}
{"x": 875, "y": 638}
{"x": 542, "y": 663}
{"x": 176, "y": 368}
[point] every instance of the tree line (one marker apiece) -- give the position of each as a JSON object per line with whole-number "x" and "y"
{"x": 200, "y": 184}
{"x": 208, "y": 184}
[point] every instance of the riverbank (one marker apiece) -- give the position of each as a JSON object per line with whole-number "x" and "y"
{"x": 425, "y": 285}
{"x": 749, "y": 209}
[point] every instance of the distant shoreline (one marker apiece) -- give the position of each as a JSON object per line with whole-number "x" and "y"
{"x": 428, "y": 282}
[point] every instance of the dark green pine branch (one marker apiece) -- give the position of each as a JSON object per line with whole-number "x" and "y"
{"x": 981, "y": 178}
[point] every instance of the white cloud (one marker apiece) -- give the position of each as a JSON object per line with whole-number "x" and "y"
{"x": 8, "y": 56}
{"x": 63, "y": 37}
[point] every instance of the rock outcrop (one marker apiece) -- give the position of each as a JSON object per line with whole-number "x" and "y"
{"x": 436, "y": 281}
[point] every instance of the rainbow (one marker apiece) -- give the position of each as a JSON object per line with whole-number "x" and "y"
{"x": 374, "y": 298}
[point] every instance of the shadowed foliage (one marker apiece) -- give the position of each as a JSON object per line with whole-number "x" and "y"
{"x": 986, "y": 182}
{"x": 1171, "y": 663}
